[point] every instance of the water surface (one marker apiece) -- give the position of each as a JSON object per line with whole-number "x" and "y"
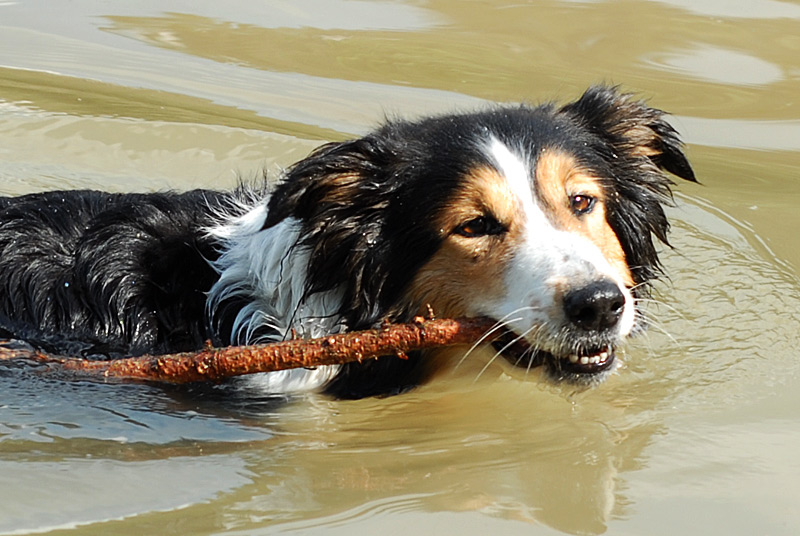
{"x": 698, "y": 432}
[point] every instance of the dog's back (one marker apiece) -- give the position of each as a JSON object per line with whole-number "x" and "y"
{"x": 86, "y": 272}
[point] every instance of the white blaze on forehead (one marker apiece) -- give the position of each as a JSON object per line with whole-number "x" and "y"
{"x": 513, "y": 168}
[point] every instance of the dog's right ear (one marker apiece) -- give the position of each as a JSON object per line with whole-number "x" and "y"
{"x": 634, "y": 129}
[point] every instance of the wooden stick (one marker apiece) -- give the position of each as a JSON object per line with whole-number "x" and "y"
{"x": 214, "y": 364}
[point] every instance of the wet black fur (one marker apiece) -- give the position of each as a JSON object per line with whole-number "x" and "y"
{"x": 86, "y": 272}
{"x": 95, "y": 273}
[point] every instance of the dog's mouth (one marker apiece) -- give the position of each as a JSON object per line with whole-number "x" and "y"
{"x": 582, "y": 362}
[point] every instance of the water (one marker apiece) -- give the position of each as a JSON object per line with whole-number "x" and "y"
{"x": 698, "y": 432}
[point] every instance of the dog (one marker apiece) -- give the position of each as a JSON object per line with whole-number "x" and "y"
{"x": 544, "y": 218}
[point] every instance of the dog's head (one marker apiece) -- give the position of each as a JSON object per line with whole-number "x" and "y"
{"x": 542, "y": 218}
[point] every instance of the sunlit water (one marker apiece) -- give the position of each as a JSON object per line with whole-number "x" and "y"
{"x": 696, "y": 434}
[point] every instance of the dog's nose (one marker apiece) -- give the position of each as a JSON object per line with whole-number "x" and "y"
{"x": 596, "y": 307}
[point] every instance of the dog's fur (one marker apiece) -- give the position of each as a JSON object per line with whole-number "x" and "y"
{"x": 540, "y": 217}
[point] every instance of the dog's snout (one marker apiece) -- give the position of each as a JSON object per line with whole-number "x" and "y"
{"x": 595, "y": 307}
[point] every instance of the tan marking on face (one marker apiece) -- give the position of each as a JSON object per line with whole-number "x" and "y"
{"x": 468, "y": 270}
{"x": 558, "y": 178}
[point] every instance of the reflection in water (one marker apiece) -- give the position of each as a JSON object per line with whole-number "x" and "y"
{"x": 437, "y": 451}
{"x": 117, "y": 490}
{"x": 723, "y": 66}
{"x": 744, "y": 134}
{"x": 745, "y": 304}
{"x": 758, "y": 9}
{"x": 489, "y": 52}
{"x": 323, "y": 14}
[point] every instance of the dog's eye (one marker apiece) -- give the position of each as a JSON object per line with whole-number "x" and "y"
{"x": 480, "y": 226}
{"x": 582, "y": 204}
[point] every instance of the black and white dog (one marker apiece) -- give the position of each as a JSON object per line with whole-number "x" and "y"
{"x": 542, "y": 218}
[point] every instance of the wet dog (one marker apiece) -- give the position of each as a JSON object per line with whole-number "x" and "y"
{"x": 543, "y": 218}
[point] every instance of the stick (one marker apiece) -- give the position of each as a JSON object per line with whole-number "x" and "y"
{"x": 215, "y": 364}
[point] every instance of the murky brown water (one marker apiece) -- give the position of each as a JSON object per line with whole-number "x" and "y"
{"x": 698, "y": 434}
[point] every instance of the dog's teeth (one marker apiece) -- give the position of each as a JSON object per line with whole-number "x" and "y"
{"x": 595, "y": 359}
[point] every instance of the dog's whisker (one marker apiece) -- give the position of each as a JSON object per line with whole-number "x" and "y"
{"x": 530, "y": 352}
{"x": 500, "y": 352}
{"x": 661, "y": 303}
{"x": 654, "y": 324}
{"x": 499, "y": 325}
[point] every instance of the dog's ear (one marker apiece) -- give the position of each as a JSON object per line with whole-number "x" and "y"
{"x": 340, "y": 196}
{"x": 632, "y": 128}
{"x": 327, "y": 177}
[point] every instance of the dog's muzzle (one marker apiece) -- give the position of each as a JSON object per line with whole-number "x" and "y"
{"x": 584, "y": 345}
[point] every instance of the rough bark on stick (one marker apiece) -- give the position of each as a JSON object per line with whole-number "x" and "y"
{"x": 215, "y": 364}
